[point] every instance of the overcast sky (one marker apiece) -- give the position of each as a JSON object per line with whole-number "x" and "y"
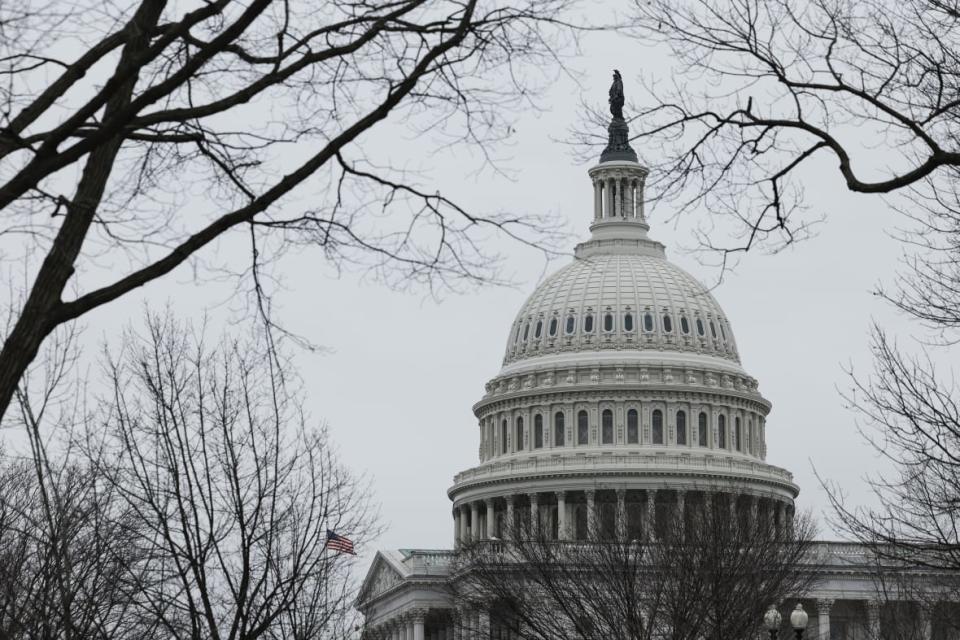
{"x": 404, "y": 369}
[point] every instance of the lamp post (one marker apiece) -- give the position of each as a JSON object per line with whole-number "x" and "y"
{"x": 798, "y": 620}
{"x": 772, "y": 620}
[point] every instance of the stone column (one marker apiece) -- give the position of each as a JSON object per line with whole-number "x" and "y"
{"x": 732, "y": 507}
{"x": 562, "y": 532}
{"x": 464, "y": 528}
{"x": 873, "y": 620}
{"x": 410, "y": 628}
{"x": 823, "y": 618}
{"x": 628, "y": 198}
{"x": 681, "y": 509}
{"x": 754, "y": 508}
{"x": 491, "y": 520}
{"x": 534, "y": 514}
{"x": 597, "y": 199}
{"x": 621, "y": 514}
{"x": 458, "y": 623}
{"x": 651, "y": 523}
{"x": 511, "y": 522}
{"x": 483, "y": 625}
{"x": 614, "y": 197}
{"x": 418, "y": 620}
{"x": 456, "y": 528}
{"x": 591, "y": 513}
{"x": 475, "y": 521}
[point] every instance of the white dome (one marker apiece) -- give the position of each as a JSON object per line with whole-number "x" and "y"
{"x": 621, "y": 301}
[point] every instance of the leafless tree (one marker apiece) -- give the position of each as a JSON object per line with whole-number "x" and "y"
{"x": 708, "y": 576}
{"x": 135, "y": 135}
{"x": 193, "y": 501}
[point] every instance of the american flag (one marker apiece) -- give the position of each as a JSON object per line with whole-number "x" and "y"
{"x": 339, "y": 543}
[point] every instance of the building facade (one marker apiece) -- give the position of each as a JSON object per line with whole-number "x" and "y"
{"x": 621, "y": 400}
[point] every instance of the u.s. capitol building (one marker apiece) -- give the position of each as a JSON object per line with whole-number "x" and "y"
{"x": 621, "y": 398}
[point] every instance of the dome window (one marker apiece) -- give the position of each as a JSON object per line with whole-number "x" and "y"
{"x": 503, "y": 436}
{"x": 538, "y": 431}
{"x": 684, "y": 325}
{"x": 558, "y": 429}
{"x": 526, "y": 332}
{"x": 648, "y": 322}
{"x": 571, "y": 323}
{"x": 657, "y": 426}
{"x": 518, "y": 446}
{"x": 539, "y": 330}
{"x": 608, "y": 322}
{"x": 588, "y": 323}
{"x": 713, "y": 330}
{"x": 553, "y": 327}
{"x": 681, "y": 427}
{"x": 702, "y": 426}
{"x": 628, "y": 322}
{"x": 700, "y": 330}
{"x": 583, "y": 428}
{"x": 737, "y": 435}
{"x": 722, "y": 432}
{"x": 633, "y": 429}
{"x": 607, "y": 424}
{"x": 667, "y": 324}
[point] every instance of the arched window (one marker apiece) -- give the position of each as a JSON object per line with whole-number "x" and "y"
{"x": 750, "y": 435}
{"x": 558, "y": 429}
{"x": 503, "y": 436}
{"x": 553, "y": 327}
{"x": 681, "y": 427}
{"x": 537, "y": 431}
{"x": 713, "y": 330}
{"x": 722, "y": 436}
{"x": 700, "y": 330}
{"x": 518, "y": 446}
{"x": 648, "y": 322}
{"x": 571, "y": 323}
{"x": 608, "y": 322}
{"x": 607, "y": 424}
{"x": 702, "y": 428}
{"x": 628, "y": 322}
{"x": 526, "y": 331}
{"x": 539, "y": 330}
{"x": 633, "y": 428}
{"x": 588, "y": 323}
{"x": 583, "y": 428}
{"x": 736, "y": 434}
{"x": 667, "y": 324}
{"x": 657, "y": 426}
{"x": 684, "y": 325}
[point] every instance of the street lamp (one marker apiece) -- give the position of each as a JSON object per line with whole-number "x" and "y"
{"x": 772, "y": 620}
{"x": 798, "y": 620}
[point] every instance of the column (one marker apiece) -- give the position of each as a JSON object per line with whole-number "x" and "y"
{"x": 475, "y": 520}
{"x": 491, "y": 520}
{"x": 464, "y": 528}
{"x": 823, "y": 618}
{"x": 614, "y": 197}
{"x": 409, "y": 628}
{"x": 621, "y": 514}
{"x": 651, "y": 524}
{"x": 754, "y": 508}
{"x": 510, "y": 527}
{"x": 628, "y": 197}
{"x": 732, "y": 506}
{"x": 591, "y": 514}
{"x": 458, "y": 623}
{"x": 597, "y": 199}
{"x": 483, "y": 625}
{"x": 562, "y": 532}
{"x": 456, "y": 528}
{"x": 873, "y": 620}
{"x": 418, "y": 619}
{"x": 534, "y": 514}
{"x": 681, "y": 510}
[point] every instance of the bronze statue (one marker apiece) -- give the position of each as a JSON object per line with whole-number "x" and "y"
{"x": 616, "y": 95}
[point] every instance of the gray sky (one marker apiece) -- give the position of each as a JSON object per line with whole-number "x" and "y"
{"x": 404, "y": 370}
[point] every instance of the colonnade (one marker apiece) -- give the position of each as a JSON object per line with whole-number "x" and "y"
{"x": 617, "y": 197}
{"x": 620, "y": 512}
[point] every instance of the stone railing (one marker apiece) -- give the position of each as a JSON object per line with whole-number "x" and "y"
{"x": 429, "y": 561}
{"x": 632, "y": 462}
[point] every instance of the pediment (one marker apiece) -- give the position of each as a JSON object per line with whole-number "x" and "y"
{"x": 381, "y": 577}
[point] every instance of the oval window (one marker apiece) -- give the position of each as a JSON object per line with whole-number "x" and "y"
{"x": 647, "y": 322}
{"x": 684, "y": 325}
{"x": 713, "y": 330}
{"x": 667, "y": 324}
{"x": 553, "y": 327}
{"x": 570, "y": 324}
{"x": 588, "y": 323}
{"x": 700, "y": 329}
{"x": 628, "y": 322}
{"x": 526, "y": 331}
{"x": 608, "y": 322}
{"x": 539, "y": 330}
